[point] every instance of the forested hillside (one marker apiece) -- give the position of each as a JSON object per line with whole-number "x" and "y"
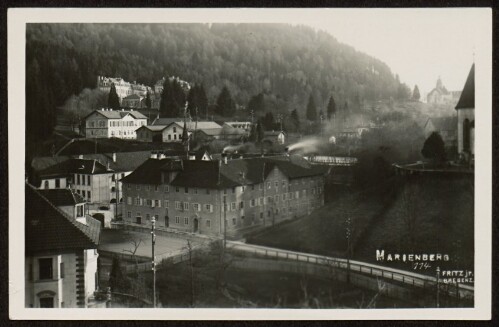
{"x": 287, "y": 63}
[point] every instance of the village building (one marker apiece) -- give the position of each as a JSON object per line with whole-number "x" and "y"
{"x": 195, "y": 196}
{"x": 274, "y": 137}
{"x": 107, "y": 123}
{"x": 171, "y": 130}
{"x": 94, "y": 177}
{"x": 133, "y": 101}
{"x": 445, "y": 127}
{"x": 123, "y": 88}
{"x": 440, "y": 95}
{"x": 60, "y": 253}
{"x": 466, "y": 117}
{"x": 244, "y": 125}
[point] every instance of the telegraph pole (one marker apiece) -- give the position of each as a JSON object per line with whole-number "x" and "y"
{"x": 348, "y": 234}
{"x": 153, "y": 241}
{"x": 225, "y": 221}
{"x": 438, "y": 287}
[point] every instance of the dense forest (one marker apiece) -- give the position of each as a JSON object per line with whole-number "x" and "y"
{"x": 287, "y": 64}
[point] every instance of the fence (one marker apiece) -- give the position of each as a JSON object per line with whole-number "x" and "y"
{"x": 395, "y": 275}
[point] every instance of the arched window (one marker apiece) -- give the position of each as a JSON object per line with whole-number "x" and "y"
{"x": 466, "y": 135}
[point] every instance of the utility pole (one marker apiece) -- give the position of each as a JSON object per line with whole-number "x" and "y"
{"x": 263, "y": 194}
{"x": 225, "y": 221}
{"x": 438, "y": 287}
{"x": 153, "y": 241}
{"x": 348, "y": 235}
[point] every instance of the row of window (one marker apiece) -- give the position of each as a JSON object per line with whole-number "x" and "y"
{"x": 82, "y": 179}
{"x": 85, "y": 194}
{"x": 166, "y": 188}
{"x": 119, "y": 123}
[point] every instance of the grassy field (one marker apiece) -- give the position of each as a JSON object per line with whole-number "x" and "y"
{"x": 442, "y": 220}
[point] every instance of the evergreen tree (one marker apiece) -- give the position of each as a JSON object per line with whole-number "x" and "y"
{"x": 295, "y": 119}
{"x": 185, "y": 134}
{"x": 252, "y": 135}
{"x": 331, "y": 108}
{"x": 311, "y": 109}
{"x": 225, "y": 105}
{"x": 117, "y": 279}
{"x": 202, "y": 101}
{"x": 259, "y": 131}
{"x": 268, "y": 121}
{"x": 113, "y": 101}
{"x": 192, "y": 99}
{"x": 168, "y": 106}
{"x": 415, "y": 93}
{"x": 434, "y": 147}
{"x": 148, "y": 100}
{"x": 178, "y": 96}
{"x": 257, "y": 103}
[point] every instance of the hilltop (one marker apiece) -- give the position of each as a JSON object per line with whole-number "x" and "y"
{"x": 286, "y": 63}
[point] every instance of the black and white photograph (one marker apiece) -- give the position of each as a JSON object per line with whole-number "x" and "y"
{"x": 289, "y": 161}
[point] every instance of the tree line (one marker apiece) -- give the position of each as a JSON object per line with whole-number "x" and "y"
{"x": 284, "y": 64}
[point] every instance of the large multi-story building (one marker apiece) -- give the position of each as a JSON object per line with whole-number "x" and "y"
{"x": 107, "y": 123}
{"x": 60, "y": 252}
{"x": 198, "y": 196}
{"x": 123, "y": 88}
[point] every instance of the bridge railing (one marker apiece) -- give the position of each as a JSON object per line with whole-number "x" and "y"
{"x": 404, "y": 277}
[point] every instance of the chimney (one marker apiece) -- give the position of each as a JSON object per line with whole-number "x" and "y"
{"x": 224, "y": 157}
{"x": 114, "y": 156}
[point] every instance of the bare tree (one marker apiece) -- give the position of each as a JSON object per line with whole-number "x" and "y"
{"x": 135, "y": 241}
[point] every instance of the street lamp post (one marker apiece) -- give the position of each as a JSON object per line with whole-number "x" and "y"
{"x": 153, "y": 241}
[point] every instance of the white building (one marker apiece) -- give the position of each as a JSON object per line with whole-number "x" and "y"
{"x": 466, "y": 117}
{"x": 107, "y": 123}
{"x": 123, "y": 88}
{"x": 60, "y": 255}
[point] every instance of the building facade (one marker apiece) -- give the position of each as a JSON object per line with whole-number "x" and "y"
{"x": 107, "y": 123}
{"x": 199, "y": 196}
{"x": 466, "y": 117}
{"x": 60, "y": 256}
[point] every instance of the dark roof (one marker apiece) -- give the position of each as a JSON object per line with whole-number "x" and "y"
{"x": 217, "y": 174}
{"x": 62, "y": 197}
{"x": 75, "y": 166}
{"x": 467, "y": 99}
{"x": 150, "y": 171}
{"x": 48, "y": 228}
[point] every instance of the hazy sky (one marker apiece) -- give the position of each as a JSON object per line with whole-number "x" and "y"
{"x": 419, "y": 45}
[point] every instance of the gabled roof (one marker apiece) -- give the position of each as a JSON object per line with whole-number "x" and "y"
{"x": 117, "y": 114}
{"x": 217, "y": 174}
{"x": 273, "y": 133}
{"x": 150, "y": 171}
{"x": 75, "y": 166}
{"x": 62, "y": 197}
{"x": 467, "y": 99}
{"x": 155, "y": 128}
{"x": 48, "y": 228}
